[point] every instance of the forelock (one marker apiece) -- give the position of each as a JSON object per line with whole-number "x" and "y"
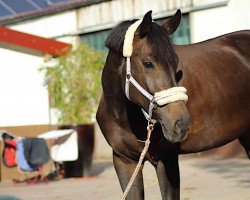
{"x": 162, "y": 45}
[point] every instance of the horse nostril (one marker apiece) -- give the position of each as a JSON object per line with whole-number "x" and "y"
{"x": 178, "y": 126}
{"x": 181, "y": 127}
{"x": 186, "y": 129}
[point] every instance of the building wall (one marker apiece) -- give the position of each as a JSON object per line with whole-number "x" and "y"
{"x": 50, "y": 26}
{"x": 108, "y": 14}
{"x": 210, "y": 23}
{"x": 94, "y": 24}
{"x": 24, "y": 99}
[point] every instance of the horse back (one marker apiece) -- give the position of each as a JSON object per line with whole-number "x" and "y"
{"x": 216, "y": 73}
{"x": 240, "y": 41}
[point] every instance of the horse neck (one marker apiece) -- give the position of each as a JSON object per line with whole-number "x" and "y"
{"x": 112, "y": 85}
{"x": 111, "y": 76}
{"x": 125, "y": 113}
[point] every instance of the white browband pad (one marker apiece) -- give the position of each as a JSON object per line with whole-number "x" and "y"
{"x": 129, "y": 38}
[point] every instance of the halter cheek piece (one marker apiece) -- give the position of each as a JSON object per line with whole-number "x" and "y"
{"x": 160, "y": 98}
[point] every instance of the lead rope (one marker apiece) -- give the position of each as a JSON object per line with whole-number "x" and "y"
{"x": 150, "y": 128}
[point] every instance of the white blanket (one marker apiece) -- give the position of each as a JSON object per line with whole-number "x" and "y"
{"x": 65, "y": 146}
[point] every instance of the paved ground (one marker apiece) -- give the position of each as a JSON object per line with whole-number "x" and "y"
{"x": 201, "y": 179}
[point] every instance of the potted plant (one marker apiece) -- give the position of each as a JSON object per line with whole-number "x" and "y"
{"x": 74, "y": 85}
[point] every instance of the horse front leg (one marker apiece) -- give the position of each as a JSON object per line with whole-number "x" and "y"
{"x": 125, "y": 168}
{"x": 168, "y": 175}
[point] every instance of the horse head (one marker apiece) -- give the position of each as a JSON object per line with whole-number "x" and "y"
{"x": 148, "y": 71}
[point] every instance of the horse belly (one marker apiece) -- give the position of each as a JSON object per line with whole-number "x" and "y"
{"x": 217, "y": 121}
{"x": 217, "y": 125}
{"x": 207, "y": 138}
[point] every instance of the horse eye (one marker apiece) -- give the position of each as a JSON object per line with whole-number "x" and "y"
{"x": 148, "y": 64}
{"x": 178, "y": 76}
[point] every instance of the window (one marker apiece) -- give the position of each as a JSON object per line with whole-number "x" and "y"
{"x": 96, "y": 39}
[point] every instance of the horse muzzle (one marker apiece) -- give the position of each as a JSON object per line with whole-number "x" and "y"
{"x": 175, "y": 129}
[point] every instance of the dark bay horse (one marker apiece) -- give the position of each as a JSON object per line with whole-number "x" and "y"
{"x": 216, "y": 74}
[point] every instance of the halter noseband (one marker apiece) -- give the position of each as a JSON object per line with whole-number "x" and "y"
{"x": 160, "y": 98}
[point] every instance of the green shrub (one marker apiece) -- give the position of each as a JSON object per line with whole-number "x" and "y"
{"x": 74, "y": 84}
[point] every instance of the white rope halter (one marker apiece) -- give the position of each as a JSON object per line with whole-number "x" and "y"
{"x": 160, "y": 98}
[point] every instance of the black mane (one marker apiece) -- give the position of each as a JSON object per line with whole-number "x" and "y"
{"x": 115, "y": 39}
{"x": 156, "y": 36}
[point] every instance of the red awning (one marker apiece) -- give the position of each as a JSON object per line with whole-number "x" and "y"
{"x": 32, "y": 44}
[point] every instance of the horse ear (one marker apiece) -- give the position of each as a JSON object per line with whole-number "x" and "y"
{"x": 171, "y": 25}
{"x": 145, "y": 24}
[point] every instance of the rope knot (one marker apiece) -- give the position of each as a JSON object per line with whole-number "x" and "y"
{"x": 150, "y": 127}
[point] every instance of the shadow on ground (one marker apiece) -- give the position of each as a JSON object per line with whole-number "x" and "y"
{"x": 99, "y": 167}
{"x": 231, "y": 169}
{"x": 7, "y": 197}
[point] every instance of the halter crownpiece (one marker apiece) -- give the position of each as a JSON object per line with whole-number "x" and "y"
{"x": 160, "y": 98}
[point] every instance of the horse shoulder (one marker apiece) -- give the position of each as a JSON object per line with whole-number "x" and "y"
{"x": 116, "y": 133}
